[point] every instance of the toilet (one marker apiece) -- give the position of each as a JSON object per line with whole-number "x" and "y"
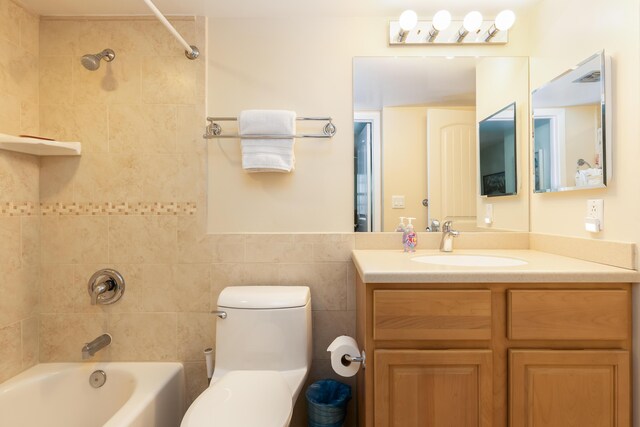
{"x": 262, "y": 358}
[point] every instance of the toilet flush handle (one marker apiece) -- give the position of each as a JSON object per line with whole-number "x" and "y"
{"x": 221, "y": 314}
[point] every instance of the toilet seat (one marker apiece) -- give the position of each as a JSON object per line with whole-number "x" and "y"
{"x": 243, "y": 399}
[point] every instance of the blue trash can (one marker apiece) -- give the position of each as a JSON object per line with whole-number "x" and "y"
{"x": 327, "y": 403}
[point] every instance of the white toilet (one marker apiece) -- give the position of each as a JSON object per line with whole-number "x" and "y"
{"x": 263, "y": 355}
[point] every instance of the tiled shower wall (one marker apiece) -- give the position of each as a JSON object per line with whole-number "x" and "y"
{"x": 135, "y": 201}
{"x": 19, "y": 222}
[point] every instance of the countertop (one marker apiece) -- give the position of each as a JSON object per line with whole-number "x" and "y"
{"x": 395, "y": 266}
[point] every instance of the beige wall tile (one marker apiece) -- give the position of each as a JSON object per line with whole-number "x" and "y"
{"x": 276, "y": 248}
{"x": 10, "y": 351}
{"x": 18, "y": 177}
{"x": 59, "y": 36}
{"x": 116, "y": 82}
{"x": 10, "y": 14}
{"x": 19, "y": 293}
{"x": 190, "y": 125}
{"x": 169, "y": 80}
{"x": 29, "y": 118}
{"x": 81, "y": 123}
{"x": 196, "y": 331}
{"x": 74, "y": 239}
{"x": 58, "y": 293}
{"x": 10, "y": 241}
{"x": 142, "y": 239}
{"x": 194, "y": 244}
{"x": 143, "y": 336}
{"x": 112, "y": 177}
{"x": 196, "y": 378}
{"x": 30, "y": 32}
{"x": 62, "y": 336}
{"x": 328, "y": 283}
{"x": 10, "y": 114}
{"x": 57, "y": 175}
{"x": 30, "y": 342}
{"x": 31, "y": 240}
{"x": 56, "y": 80}
{"x": 351, "y": 286}
{"x": 160, "y": 177}
{"x": 177, "y": 287}
{"x": 142, "y": 128}
{"x": 228, "y": 248}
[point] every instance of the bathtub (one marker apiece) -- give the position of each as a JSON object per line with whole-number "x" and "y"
{"x": 59, "y": 395}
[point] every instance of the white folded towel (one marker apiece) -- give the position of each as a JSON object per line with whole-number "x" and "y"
{"x": 268, "y": 155}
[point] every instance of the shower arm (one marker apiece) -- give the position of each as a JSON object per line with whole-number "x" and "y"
{"x": 191, "y": 51}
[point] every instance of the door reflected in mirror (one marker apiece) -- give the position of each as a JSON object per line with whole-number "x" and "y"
{"x": 570, "y": 146}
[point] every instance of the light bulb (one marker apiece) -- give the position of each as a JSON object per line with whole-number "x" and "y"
{"x": 505, "y": 20}
{"x": 408, "y": 20}
{"x": 442, "y": 20}
{"x": 472, "y": 21}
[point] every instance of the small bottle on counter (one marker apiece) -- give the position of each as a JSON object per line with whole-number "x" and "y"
{"x": 409, "y": 237}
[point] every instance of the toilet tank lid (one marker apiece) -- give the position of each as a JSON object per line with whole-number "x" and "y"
{"x": 264, "y": 297}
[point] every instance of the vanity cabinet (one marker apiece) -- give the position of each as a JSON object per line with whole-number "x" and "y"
{"x": 494, "y": 354}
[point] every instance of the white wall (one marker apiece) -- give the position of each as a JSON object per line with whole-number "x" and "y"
{"x": 303, "y": 65}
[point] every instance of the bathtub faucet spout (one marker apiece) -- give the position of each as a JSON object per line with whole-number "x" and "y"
{"x": 91, "y": 348}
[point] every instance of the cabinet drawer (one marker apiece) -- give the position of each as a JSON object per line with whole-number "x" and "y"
{"x": 432, "y": 315}
{"x": 568, "y": 314}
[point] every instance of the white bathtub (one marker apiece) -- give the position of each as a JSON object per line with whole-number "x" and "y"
{"x": 59, "y": 395}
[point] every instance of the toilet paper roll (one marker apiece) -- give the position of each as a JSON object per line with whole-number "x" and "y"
{"x": 339, "y": 347}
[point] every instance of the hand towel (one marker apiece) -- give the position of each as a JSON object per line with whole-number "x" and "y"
{"x": 268, "y": 155}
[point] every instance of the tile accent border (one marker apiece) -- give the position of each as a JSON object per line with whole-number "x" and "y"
{"x": 18, "y": 209}
{"x": 119, "y": 209}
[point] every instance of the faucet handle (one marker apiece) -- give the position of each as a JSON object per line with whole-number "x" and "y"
{"x": 105, "y": 286}
{"x": 446, "y": 227}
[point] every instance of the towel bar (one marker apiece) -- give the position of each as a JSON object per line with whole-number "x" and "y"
{"x": 214, "y": 130}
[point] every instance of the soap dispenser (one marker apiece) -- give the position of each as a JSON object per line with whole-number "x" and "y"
{"x": 410, "y": 238}
{"x": 401, "y": 227}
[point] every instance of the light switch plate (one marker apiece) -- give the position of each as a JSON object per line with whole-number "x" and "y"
{"x": 397, "y": 202}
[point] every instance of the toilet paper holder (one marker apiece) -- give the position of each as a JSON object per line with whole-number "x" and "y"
{"x": 347, "y": 359}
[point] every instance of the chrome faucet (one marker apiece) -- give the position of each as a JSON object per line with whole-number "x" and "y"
{"x": 91, "y": 348}
{"x": 446, "y": 244}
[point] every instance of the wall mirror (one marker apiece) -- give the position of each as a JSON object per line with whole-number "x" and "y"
{"x": 571, "y": 128}
{"x": 415, "y": 140}
{"x": 497, "y": 145}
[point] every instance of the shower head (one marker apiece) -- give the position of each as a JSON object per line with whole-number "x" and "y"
{"x": 92, "y": 61}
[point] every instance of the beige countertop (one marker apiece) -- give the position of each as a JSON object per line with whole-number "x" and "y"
{"x": 395, "y": 266}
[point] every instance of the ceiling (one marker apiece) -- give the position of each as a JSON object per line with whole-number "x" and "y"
{"x": 273, "y": 8}
{"x": 387, "y": 82}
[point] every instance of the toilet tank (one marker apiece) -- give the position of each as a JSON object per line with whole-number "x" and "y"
{"x": 266, "y": 328}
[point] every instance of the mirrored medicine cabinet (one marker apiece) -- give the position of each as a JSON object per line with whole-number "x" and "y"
{"x": 572, "y": 129}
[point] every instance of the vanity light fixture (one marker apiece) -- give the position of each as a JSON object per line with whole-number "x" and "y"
{"x": 441, "y": 22}
{"x": 408, "y": 21}
{"x": 472, "y": 23}
{"x": 441, "y": 29}
{"x": 503, "y": 22}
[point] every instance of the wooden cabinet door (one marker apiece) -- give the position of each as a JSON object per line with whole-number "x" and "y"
{"x": 569, "y": 388}
{"x": 433, "y": 388}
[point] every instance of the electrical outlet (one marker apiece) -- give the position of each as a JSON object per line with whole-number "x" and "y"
{"x": 595, "y": 211}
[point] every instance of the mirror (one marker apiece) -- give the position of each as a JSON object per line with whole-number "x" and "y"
{"x": 415, "y": 129}
{"x": 570, "y": 129}
{"x": 497, "y": 142}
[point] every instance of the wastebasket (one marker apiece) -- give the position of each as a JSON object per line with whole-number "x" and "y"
{"x": 327, "y": 403}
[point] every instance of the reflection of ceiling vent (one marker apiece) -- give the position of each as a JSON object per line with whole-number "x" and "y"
{"x": 592, "y": 77}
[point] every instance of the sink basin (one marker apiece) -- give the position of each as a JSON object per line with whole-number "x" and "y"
{"x": 469, "y": 260}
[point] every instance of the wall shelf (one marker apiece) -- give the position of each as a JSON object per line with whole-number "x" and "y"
{"x": 39, "y": 147}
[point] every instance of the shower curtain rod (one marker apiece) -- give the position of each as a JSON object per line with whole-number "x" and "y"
{"x": 191, "y": 51}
